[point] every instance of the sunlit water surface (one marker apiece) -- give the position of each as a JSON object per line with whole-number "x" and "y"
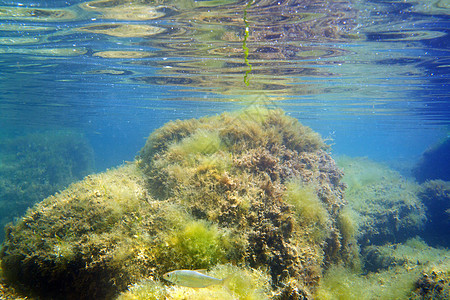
{"x": 371, "y": 76}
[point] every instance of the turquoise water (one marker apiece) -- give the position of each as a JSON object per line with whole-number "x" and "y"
{"x": 370, "y": 76}
{"x": 373, "y": 75}
{"x": 83, "y": 84}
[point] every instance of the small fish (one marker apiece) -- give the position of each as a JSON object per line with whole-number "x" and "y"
{"x": 191, "y": 278}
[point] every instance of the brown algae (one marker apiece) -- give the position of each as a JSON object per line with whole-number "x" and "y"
{"x": 218, "y": 191}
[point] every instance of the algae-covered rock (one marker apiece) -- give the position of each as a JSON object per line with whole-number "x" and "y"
{"x": 260, "y": 174}
{"x": 383, "y": 214}
{"x": 434, "y": 163}
{"x": 410, "y": 270}
{"x": 384, "y": 205}
{"x": 37, "y": 165}
{"x": 435, "y": 194}
{"x": 253, "y": 190}
{"x": 75, "y": 243}
{"x": 433, "y": 284}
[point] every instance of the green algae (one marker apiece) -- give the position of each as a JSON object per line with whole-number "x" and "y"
{"x": 349, "y": 224}
{"x": 342, "y": 283}
{"x": 201, "y": 142}
{"x": 34, "y": 166}
{"x": 202, "y": 193}
{"x": 198, "y": 245}
{"x": 385, "y": 205}
{"x": 411, "y": 270}
{"x": 311, "y": 210}
{"x": 241, "y": 283}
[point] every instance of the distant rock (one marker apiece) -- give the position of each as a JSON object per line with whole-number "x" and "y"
{"x": 434, "y": 164}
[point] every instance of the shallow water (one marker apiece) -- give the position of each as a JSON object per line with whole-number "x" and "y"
{"x": 83, "y": 84}
{"x": 370, "y": 75}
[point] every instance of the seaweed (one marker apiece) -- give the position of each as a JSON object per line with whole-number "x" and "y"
{"x": 435, "y": 195}
{"x": 386, "y": 205}
{"x": 254, "y": 189}
{"x": 241, "y": 283}
{"x": 37, "y": 165}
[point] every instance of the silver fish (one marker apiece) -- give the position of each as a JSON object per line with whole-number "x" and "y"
{"x": 190, "y": 278}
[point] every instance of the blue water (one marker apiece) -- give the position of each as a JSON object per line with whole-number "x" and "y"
{"x": 83, "y": 84}
{"x": 371, "y": 76}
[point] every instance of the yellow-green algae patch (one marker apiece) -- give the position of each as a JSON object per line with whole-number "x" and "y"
{"x": 411, "y": 270}
{"x": 311, "y": 211}
{"x": 342, "y": 283}
{"x": 221, "y": 190}
{"x": 385, "y": 206}
{"x": 241, "y": 283}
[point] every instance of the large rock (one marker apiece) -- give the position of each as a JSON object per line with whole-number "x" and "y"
{"x": 37, "y": 165}
{"x": 435, "y": 194}
{"x": 253, "y": 188}
{"x": 385, "y": 205}
{"x": 434, "y": 163}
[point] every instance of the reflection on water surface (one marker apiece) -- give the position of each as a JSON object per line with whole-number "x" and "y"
{"x": 370, "y": 76}
{"x": 327, "y": 60}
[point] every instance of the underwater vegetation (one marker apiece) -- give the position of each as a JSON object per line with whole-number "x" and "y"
{"x": 435, "y": 194}
{"x": 411, "y": 270}
{"x": 243, "y": 178}
{"x": 383, "y": 215}
{"x": 35, "y": 166}
{"x": 251, "y": 193}
{"x": 78, "y": 241}
{"x": 250, "y": 197}
{"x": 241, "y": 283}
{"x": 382, "y": 204}
{"x": 424, "y": 269}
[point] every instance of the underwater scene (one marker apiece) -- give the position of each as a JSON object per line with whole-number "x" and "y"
{"x": 224, "y": 149}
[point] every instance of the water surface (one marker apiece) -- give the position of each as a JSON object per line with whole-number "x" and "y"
{"x": 370, "y": 75}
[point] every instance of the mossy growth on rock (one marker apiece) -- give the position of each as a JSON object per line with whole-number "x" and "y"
{"x": 342, "y": 283}
{"x": 37, "y": 165}
{"x": 411, "y": 270}
{"x": 72, "y": 243}
{"x": 262, "y": 176}
{"x": 230, "y": 189}
{"x": 384, "y": 205}
{"x": 240, "y": 283}
{"x": 435, "y": 194}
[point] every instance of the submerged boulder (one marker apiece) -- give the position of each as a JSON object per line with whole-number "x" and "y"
{"x": 254, "y": 189}
{"x": 384, "y": 205}
{"x": 435, "y": 194}
{"x": 434, "y": 163}
{"x": 36, "y": 165}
